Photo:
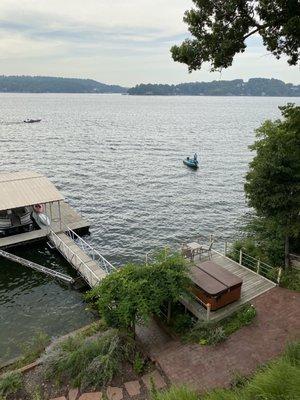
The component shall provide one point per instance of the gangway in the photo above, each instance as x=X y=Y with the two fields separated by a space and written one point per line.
x=37 y=267
x=93 y=267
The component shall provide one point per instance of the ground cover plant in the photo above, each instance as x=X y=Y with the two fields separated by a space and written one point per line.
x=90 y=362
x=210 y=333
x=10 y=383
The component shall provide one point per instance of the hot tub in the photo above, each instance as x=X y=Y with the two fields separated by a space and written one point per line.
x=215 y=285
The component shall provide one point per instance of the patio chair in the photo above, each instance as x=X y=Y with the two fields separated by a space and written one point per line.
x=206 y=249
x=186 y=252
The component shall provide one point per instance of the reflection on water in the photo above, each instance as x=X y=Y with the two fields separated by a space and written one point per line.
x=118 y=160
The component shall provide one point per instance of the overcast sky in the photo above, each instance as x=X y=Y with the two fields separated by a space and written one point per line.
x=113 y=41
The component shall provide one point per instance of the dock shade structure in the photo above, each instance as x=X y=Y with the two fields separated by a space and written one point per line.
x=215 y=285
x=25 y=189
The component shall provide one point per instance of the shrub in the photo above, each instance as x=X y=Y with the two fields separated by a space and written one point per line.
x=240 y=318
x=89 y=362
x=206 y=333
x=291 y=279
x=181 y=323
x=10 y=383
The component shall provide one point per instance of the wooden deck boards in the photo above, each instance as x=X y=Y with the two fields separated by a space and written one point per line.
x=253 y=285
x=69 y=216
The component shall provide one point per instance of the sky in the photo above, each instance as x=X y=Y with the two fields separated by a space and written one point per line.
x=122 y=42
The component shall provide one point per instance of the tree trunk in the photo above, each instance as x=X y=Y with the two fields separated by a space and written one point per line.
x=169 y=312
x=287 y=251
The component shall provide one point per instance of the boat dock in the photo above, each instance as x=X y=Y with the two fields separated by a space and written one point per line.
x=21 y=192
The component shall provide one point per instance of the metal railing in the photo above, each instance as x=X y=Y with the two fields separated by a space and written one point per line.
x=88 y=249
x=252 y=263
x=88 y=275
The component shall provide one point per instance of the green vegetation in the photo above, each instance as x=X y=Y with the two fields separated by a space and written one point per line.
x=210 y=333
x=47 y=84
x=279 y=380
x=89 y=362
x=237 y=87
x=291 y=280
x=220 y=28
x=10 y=383
x=136 y=292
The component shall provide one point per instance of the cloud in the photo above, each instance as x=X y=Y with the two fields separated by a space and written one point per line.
x=117 y=41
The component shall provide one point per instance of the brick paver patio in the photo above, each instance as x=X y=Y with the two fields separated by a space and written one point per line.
x=207 y=367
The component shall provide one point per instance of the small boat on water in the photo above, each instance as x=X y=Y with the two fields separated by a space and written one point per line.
x=31 y=121
x=192 y=162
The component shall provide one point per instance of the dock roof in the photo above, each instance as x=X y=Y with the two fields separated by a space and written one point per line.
x=20 y=189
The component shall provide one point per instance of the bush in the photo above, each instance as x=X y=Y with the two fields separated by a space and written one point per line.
x=181 y=323
x=290 y=279
x=138 y=364
x=89 y=362
x=10 y=383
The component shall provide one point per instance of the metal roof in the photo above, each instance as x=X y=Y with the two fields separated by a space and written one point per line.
x=19 y=189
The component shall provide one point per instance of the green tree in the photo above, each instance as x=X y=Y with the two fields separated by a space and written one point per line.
x=136 y=292
x=220 y=28
x=273 y=182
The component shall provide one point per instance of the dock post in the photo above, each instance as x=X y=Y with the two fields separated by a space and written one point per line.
x=241 y=257
x=279 y=275
x=59 y=213
x=208 y=307
x=225 y=248
x=146 y=258
x=258 y=266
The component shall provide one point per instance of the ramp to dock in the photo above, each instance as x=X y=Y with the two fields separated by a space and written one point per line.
x=88 y=266
x=37 y=267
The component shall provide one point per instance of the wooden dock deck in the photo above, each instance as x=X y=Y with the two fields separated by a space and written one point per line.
x=69 y=216
x=253 y=285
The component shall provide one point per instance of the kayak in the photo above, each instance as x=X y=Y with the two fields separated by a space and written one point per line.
x=41 y=219
x=191 y=163
x=31 y=121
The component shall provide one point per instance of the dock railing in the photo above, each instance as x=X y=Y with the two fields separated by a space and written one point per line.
x=88 y=249
x=252 y=263
x=75 y=259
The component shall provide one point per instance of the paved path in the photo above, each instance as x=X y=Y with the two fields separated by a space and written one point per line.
x=207 y=367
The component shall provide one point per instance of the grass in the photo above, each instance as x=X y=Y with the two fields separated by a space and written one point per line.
x=10 y=383
x=210 y=333
x=89 y=362
x=279 y=380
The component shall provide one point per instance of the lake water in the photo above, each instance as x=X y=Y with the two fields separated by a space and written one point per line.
x=118 y=161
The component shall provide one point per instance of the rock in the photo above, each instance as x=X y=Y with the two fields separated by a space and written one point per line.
x=60 y=398
x=133 y=388
x=114 y=393
x=73 y=393
x=91 y=396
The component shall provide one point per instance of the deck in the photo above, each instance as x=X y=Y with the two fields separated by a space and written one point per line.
x=69 y=216
x=253 y=286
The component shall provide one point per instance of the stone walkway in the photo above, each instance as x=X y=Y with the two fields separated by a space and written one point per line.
x=207 y=367
x=138 y=389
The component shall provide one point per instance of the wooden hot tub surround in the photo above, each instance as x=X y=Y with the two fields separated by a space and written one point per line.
x=215 y=285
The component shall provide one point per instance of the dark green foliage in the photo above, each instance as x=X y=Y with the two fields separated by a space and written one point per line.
x=237 y=87
x=210 y=333
x=273 y=182
x=220 y=28
x=10 y=383
x=136 y=292
x=47 y=84
x=291 y=279
x=138 y=364
x=89 y=362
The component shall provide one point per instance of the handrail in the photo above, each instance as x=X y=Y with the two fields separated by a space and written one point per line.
x=96 y=256
x=51 y=232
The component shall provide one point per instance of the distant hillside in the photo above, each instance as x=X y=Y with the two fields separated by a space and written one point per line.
x=44 y=84
x=237 y=87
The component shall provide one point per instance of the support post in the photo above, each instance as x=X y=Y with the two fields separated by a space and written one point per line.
x=208 y=308
x=279 y=275
x=225 y=248
x=258 y=266
x=241 y=257
x=146 y=258
x=59 y=213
